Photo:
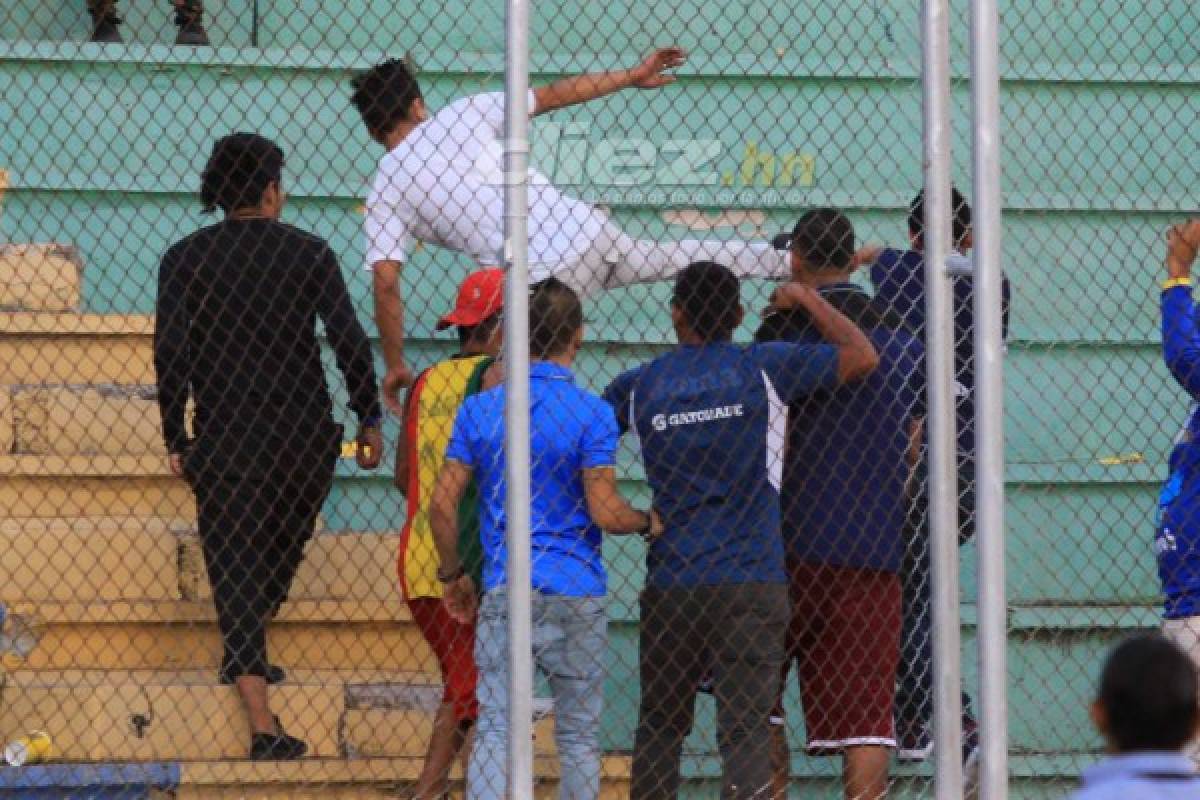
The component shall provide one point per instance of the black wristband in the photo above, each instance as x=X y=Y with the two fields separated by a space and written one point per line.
x=451 y=577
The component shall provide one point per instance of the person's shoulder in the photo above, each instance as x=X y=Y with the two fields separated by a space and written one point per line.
x=784 y=326
x=194 y=240
x=301 y=236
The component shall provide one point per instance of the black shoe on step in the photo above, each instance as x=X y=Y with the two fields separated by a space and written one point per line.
x=192 y=34
x=276 y=747
x=105 y=31
x=275 y=676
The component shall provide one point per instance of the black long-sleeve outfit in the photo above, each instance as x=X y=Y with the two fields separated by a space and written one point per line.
x=236 y=330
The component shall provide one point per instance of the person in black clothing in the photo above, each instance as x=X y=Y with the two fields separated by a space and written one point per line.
x=189 y=18
x=236 y=330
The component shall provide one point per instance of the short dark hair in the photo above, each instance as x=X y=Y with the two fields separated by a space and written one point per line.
x=824 y=238
x=467 y=333
x=1148 y=690
x=384 y=95
x=555 y=317
x=708 y=295
x=238 y=172
x=960 y=217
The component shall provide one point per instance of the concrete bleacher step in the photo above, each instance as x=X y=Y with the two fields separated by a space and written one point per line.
x=92 y=486
x=107 y=419
x=373 y=778
x=180 y=634
x=64 y=348
x=39 y=277
x=87 y=560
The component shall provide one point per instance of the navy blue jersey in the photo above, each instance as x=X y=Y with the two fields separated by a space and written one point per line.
x=712 y=424
x=847 y=462
x=899 y=279
x=1177 y=539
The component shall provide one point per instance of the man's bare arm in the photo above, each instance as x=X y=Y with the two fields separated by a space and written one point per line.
x=582 y=88
x=608 y=508
x=443 y=512
x=389 y=318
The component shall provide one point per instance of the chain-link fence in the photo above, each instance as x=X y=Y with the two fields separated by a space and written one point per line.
x=253 y=521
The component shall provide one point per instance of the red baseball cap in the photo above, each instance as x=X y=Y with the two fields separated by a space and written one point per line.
x=480 y=296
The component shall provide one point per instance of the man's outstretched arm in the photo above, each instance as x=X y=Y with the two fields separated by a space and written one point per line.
x=582 y=88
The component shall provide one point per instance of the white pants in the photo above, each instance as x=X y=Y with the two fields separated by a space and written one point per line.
x=1185 y=632
x=616 y=259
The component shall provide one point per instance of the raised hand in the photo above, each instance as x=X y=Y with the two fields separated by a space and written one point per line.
x=649 y=73
x=1183 y=241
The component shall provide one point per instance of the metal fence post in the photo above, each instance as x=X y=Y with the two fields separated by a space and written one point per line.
x=516 y=414
x=943 y=484
x=989 y=401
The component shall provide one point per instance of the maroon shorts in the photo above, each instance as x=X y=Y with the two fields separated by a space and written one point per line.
x=453 y=644
x=845 y=640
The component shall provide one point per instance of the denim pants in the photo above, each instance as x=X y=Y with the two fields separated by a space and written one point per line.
x=570 y=644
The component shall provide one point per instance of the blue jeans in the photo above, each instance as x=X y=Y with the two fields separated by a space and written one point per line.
x=570 y=643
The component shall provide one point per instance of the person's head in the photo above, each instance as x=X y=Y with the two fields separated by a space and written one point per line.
x=706 y=306
x=555 y=321
x=244 y=173
x=388 y=97
x=1148 y=697
x=821 y=246
x=960 y=221
x=476 y=313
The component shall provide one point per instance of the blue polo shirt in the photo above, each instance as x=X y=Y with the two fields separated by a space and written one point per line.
x=570 y=430
x=712 y=423
x=1141 y=776
x=844 y=500
x=899 y=280
x=1177 y=532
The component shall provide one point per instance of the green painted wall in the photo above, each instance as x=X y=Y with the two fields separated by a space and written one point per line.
x=104 y=146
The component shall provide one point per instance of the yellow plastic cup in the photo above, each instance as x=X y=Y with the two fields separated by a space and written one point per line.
x=32 y=749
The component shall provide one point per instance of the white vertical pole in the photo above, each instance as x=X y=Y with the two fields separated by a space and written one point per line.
x=989 y=400
x=939 y=333
x=516 y=405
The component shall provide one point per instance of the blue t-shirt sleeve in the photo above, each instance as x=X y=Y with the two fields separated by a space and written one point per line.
x=797 y=370
x=462 y=436
x=599 y=445
x=1181 y=341
x=618 y=395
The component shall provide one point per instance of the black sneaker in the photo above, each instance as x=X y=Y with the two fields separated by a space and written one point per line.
x=192 y=34
x=276 y=747
x=914 y=742
x=275 y=676
x=105 y=31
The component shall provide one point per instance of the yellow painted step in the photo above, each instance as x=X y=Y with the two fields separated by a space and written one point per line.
x=155 y=722
x=404 y=732
x=91 y=486
x=344 y=778
x=39 y=277
x=89 y=560
x=110 y=419
x=350 y=566
x=331 y=634
x=49 y=560
x=76 y=349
